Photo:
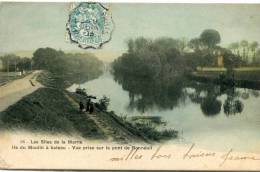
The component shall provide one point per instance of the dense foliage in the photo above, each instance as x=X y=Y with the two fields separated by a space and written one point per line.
x=73 y=68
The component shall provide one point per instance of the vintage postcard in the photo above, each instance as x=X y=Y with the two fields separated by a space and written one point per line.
x=129 y=86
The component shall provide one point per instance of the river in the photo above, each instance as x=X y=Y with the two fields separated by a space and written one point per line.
x=226 y=128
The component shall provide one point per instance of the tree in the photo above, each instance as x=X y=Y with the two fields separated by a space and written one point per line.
x=234 y=47
x=69 y=68
x=130 y=45
x=10 y=62
x=253 y=46
x=210 y=38
x=257 y=58
x=46 y=58
x=231 y=60
x=244 y=45
x=24 y=64
x=182 y=44
x=104 y=103
x=195 y=44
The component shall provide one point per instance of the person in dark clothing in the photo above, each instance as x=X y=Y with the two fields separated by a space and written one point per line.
x=91 y=108
x=88 y=105
x=81 y=106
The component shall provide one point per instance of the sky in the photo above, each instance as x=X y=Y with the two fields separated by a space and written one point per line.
x=28 y=26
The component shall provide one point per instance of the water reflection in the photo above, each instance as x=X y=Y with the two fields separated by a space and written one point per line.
x=148 y=93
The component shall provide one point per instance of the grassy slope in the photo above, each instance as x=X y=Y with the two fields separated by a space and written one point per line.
x=49 y=110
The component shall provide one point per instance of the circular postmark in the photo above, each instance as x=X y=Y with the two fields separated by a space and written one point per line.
x=90 y=25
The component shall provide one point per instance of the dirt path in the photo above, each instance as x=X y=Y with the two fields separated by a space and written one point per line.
x=100 y=126
x=11 y=92
x=112 y=130
x=118 y=132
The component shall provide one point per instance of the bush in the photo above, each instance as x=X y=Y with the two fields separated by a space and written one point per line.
x=103 y=103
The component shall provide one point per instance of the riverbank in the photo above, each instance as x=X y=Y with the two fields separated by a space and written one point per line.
x=240 y=79
x=55 y=110
x=123 y=130
x=49 y=110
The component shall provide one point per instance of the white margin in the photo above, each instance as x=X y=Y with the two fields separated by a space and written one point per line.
x=149 y=1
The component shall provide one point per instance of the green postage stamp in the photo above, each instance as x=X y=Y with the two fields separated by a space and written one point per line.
x=90 y=25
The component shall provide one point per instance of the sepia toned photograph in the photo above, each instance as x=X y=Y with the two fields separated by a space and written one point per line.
x=127 y=86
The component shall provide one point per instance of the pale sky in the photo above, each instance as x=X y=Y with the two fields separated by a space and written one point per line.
x=28 y=26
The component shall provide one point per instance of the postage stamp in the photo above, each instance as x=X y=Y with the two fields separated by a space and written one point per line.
x=90 y=25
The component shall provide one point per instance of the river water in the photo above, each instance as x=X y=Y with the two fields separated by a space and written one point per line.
x=222 y=129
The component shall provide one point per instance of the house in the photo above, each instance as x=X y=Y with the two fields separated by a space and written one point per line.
x=220 y=61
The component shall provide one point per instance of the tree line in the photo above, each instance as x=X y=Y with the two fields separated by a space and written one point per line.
x=153 y=57
x=74 y=68
x=12 y=63
x=249 y=51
